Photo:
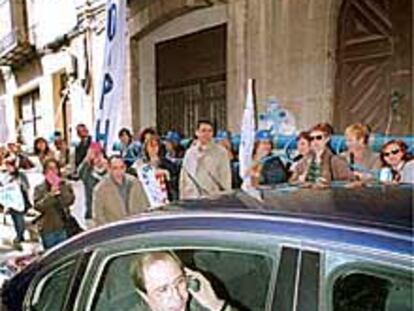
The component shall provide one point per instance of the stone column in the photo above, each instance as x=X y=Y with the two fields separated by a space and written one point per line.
x=134 y=86
x=236 y=62
x=251 y=27
x=7 y=97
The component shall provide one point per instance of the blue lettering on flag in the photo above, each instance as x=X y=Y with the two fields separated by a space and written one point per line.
x=111 y=25
x=102 y=137
x=108 y=85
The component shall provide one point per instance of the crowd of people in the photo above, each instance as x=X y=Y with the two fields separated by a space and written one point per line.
x=151 y=170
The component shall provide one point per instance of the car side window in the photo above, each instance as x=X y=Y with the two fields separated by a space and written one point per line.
x=231 y=274
x=50 y=292
x=372 y=292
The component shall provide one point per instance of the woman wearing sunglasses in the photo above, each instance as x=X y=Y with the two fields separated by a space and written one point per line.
x=321 y=166
x=397 y=161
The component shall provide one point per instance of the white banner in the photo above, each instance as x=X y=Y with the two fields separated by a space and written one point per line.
x=11 y=196
x=112 y=85
x=157 y=196
x=247 y=136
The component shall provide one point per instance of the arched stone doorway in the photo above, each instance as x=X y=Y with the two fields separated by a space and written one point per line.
x=374 y=65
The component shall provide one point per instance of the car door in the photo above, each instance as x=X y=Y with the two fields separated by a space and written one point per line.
x=323 y=276
x=241 y=267
x=56 y=286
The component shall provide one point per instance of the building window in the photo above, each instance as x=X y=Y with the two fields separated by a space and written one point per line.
x=29 y=116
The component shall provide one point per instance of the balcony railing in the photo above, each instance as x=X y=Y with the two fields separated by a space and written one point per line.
x=15 y=44
x=13 y=38
x=15 y=47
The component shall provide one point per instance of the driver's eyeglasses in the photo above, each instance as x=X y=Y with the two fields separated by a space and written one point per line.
x=180 y=282
x=316 y=137
x=394 y=152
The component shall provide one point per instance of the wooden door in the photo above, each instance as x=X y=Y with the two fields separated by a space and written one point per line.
x=191 y=80
x=180 y=106
x=374 y=59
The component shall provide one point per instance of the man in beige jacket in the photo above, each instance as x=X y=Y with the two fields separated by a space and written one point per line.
x=206 y=166
x=118 y=195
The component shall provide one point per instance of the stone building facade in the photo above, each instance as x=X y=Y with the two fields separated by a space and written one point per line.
x=339 y=61
x=311 y=55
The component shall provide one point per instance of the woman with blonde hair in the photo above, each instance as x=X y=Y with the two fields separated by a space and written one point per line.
x=361 y=159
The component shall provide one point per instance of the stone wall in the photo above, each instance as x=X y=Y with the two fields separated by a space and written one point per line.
x=288 y=47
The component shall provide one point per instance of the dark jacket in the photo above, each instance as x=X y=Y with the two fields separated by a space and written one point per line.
x=273 y=171
x=51 y=206
x=90 y=179
x=172 y=184
x=81 y=150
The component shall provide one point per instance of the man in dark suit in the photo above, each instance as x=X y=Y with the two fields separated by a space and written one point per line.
x=83 y=146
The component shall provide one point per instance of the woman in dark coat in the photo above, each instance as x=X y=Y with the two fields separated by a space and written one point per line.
x=167 y=172
x=267 y=168
x=53 y=199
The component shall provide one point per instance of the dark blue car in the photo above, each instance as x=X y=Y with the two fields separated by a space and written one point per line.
x=293 y=249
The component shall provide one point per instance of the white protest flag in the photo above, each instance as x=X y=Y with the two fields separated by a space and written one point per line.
x=247 y=136
x=112 y=83
x=11 y=196
x=156 y=194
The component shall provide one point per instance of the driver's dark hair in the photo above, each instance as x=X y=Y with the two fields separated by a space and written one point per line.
x=138 y=264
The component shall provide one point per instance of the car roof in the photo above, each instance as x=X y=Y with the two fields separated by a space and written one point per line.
x=376 y=216
x=376 y=206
